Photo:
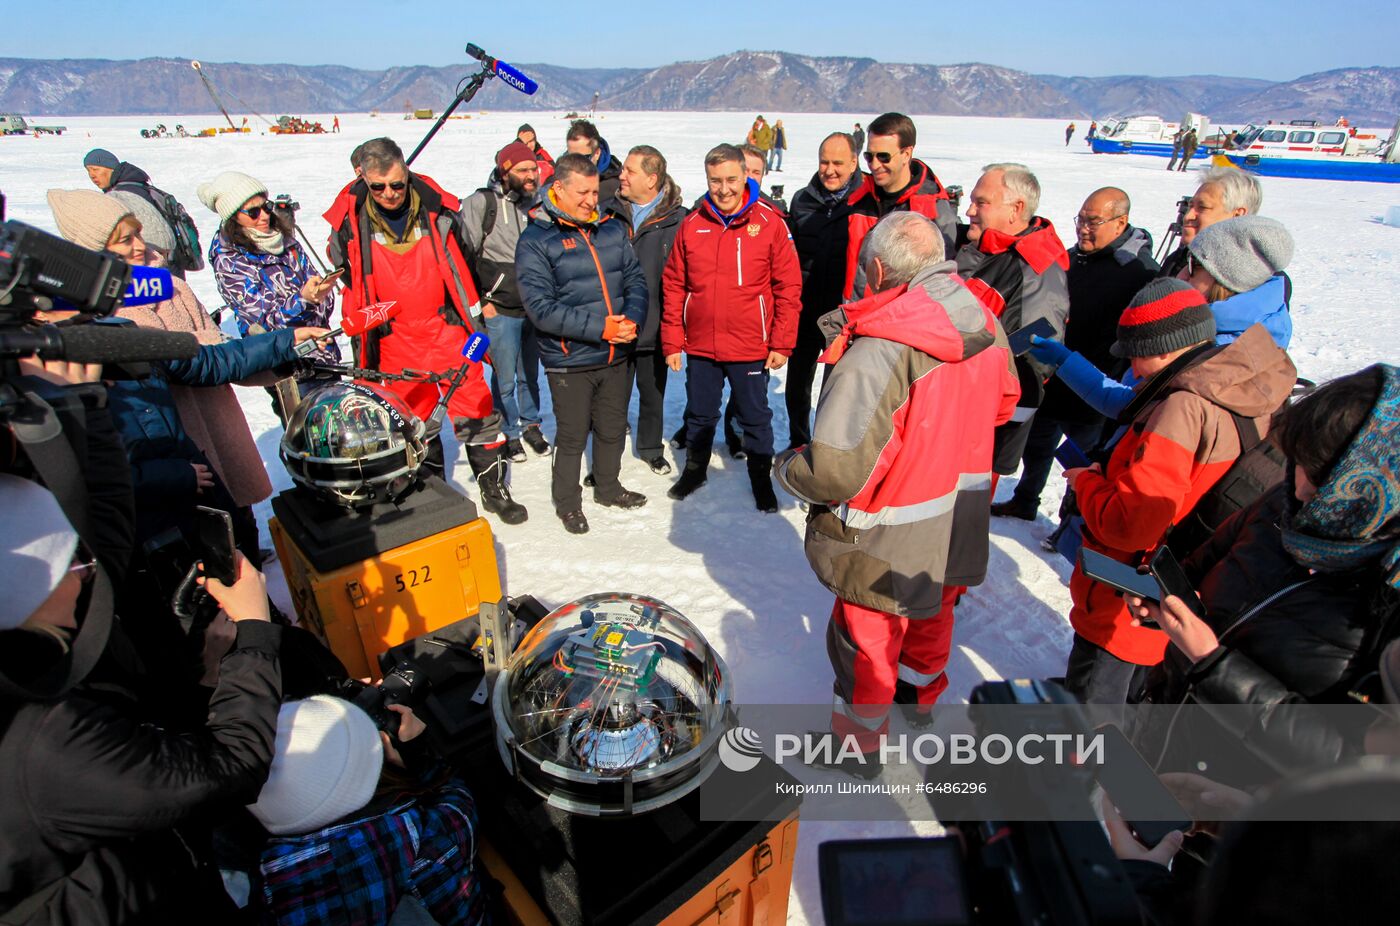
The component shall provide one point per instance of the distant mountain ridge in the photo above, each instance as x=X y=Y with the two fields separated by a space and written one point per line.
x=757 y=81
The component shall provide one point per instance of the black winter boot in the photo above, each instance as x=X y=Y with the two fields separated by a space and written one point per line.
x=695 y=474
x=761 y=481
x=489 y=465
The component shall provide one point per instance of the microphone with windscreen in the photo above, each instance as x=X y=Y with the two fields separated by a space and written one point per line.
x=353 y=323
x=99 y=342
x=505 y=72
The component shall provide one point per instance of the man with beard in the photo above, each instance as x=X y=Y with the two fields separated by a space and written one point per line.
x=819 y=229
x=493 y=218
x=649 y=205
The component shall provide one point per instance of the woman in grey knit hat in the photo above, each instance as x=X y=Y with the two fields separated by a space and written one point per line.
x=1238 y=264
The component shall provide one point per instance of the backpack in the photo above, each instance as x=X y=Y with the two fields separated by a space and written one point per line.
x=188 y=255
x=1260 y=467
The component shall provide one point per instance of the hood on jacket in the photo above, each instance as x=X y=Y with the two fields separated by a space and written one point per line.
x=128 y=173
x=1266 y=304
x=352 y=198
x=1039 y=245
x=752 y=197
x=934 y=313
x=1135 y=243
x=554 y=214
x=923 y=182
x=670 y=194
x=1251 y=376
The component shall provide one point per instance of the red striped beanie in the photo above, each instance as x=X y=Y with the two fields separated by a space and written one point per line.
x=1166 y=315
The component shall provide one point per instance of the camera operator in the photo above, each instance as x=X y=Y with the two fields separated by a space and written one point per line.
x=93 y=792
x=211 y=415
x=261 y=270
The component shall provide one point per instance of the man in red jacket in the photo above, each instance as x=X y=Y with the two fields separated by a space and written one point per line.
x=399 y=237
x=896 y=182
x=732 y=292
x=898 y=472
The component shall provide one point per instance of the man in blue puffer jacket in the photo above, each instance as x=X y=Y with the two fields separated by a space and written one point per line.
x=585 y=292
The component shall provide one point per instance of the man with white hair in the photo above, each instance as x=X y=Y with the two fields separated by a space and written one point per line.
x=1225 y=192
x=898 y=471
x=1014 y=258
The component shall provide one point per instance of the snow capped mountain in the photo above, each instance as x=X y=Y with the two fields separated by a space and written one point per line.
x=756 y=81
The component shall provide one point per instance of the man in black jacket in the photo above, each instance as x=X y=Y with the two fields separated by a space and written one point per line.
x=1110 y=263
x=1014 y=259
x=93 y=790
x=583 y=138
x=649 y=205
x=819 y=229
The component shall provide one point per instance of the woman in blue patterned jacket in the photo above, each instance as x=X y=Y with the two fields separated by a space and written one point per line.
x=261 y=270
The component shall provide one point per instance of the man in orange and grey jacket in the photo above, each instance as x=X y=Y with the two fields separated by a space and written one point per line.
x=1182 y=437
x=898 y=472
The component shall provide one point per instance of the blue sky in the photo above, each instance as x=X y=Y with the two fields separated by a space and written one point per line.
x=1275 y=39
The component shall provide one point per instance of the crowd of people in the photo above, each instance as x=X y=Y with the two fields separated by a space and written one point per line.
x=1172 y=384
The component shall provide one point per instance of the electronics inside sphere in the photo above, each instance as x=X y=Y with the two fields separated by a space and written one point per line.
x=613 y=704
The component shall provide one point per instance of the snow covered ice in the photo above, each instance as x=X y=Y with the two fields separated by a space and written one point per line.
x=740 y=575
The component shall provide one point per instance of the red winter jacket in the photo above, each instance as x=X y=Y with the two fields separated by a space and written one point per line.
x=732 y=287
x=924 y=195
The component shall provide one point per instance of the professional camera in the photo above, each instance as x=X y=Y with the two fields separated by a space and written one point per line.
x=1183 y=205
x=406 y=683
x=776 y=191
x=37 y=268
x=285 y=205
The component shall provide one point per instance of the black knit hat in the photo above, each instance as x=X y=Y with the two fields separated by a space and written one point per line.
x=1164 y=316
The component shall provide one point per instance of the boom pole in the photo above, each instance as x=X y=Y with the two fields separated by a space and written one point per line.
x=199 y=69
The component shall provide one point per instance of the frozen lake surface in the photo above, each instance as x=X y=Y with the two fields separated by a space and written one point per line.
x=739 y=575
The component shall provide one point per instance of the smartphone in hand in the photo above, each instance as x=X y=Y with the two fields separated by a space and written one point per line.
x=1020 y=342
x=1070 y=456
x=1166 y=570
x=214 y=529
x=1118 y=575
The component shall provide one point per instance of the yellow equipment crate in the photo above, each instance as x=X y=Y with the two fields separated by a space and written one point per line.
x=362 y=599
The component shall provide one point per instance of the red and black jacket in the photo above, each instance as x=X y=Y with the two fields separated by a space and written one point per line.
x=925 y=195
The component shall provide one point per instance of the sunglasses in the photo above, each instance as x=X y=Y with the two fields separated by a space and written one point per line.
x=253 y=212
x=884 y=157
x=398 y=186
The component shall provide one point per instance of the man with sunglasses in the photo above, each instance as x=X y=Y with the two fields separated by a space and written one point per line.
x=400 y=238
x=1110 y=262
x=896 y=182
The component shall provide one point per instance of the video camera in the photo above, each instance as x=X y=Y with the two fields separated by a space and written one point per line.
x=38 y=269
x=1183 y=205
x=1047 y=872
x=955 y=194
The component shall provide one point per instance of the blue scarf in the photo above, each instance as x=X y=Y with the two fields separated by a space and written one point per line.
x=1354 y=520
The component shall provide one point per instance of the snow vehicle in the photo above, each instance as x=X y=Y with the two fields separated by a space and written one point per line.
x=15 y=124
x=1305 y=150
x=295 y=125
x=1145 y=134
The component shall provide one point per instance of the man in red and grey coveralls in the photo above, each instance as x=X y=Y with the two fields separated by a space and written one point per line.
x=899 y=471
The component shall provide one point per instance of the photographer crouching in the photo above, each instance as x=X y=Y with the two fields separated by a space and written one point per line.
x=101 y=811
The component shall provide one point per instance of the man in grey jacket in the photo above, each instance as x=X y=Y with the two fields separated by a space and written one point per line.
x=494 y=217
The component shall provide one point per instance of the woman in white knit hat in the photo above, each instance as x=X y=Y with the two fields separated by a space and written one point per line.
x=211 y=415
x=261 y=270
